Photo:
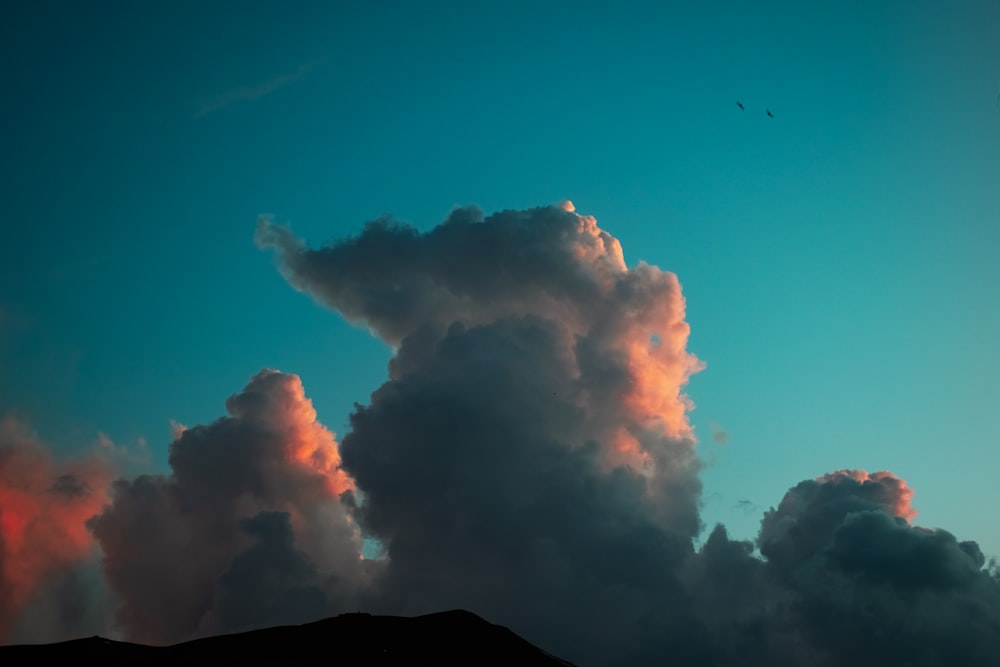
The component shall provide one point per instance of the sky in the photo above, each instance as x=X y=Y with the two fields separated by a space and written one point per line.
x=186 y=191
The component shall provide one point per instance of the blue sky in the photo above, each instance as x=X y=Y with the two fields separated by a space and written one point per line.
x=838 y=260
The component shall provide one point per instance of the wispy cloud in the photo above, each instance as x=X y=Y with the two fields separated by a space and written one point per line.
x=719 y=435
x=253 y=92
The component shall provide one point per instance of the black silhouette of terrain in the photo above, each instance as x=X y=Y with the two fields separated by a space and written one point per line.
x=446 y=638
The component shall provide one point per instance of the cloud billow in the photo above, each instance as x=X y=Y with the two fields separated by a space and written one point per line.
x=254 y=493
x=528 y=457
x=846 y=579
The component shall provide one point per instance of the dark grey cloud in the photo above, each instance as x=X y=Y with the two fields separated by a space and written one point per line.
x=70 y=486
x=846 y=579
x=478 y=476
x=529 y=457
x=270 y=583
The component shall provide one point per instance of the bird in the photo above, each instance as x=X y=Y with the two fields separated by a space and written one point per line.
x=769 y=114
x=740 y=105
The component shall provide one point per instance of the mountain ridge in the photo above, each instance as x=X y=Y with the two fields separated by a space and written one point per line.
x=454 y=637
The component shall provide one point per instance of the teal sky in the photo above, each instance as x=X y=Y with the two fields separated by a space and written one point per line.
x=838 y=259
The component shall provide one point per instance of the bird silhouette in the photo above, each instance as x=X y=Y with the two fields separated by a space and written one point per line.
x=769 y=114
x=740 y=105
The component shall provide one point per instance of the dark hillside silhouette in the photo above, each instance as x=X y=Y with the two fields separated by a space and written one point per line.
x=446 y=638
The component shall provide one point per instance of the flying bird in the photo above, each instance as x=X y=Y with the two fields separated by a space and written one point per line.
x=740 y=105
x=769 y=114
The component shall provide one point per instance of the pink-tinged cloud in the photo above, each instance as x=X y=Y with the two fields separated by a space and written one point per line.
x=250 y=513
x=44 y=506
x=807 y=517
x=889 y=491
x=533 y=430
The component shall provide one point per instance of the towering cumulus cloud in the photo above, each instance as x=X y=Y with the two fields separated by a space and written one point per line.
x=44 y=592
x=530 y=455
x=530 y=458
x=247 y=531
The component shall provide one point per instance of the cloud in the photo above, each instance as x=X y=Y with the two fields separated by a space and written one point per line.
x=44 y=543
x=176 y=546
x=846 y=579
x=253 y=92
x=528 y=457
x=719 y=435
x=804 y=519
x=748 y=506
x=271 y=582
x=126 y=459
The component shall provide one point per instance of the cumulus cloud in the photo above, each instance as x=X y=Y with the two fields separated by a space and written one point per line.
x=803 y=521
x=44 y=543
x=621 y=331
x=846 y=579
x=270 y=583
x=264 y=481
x=529 y=457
